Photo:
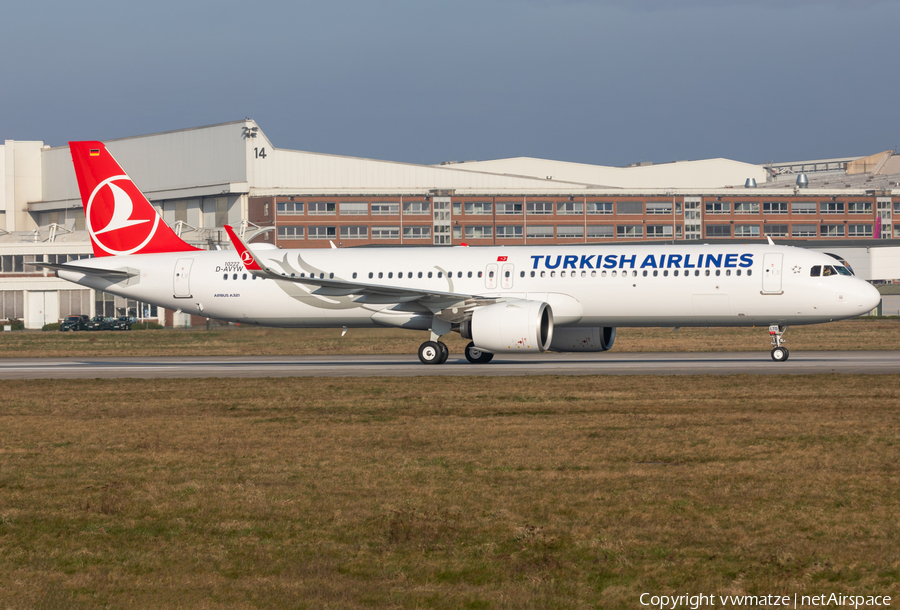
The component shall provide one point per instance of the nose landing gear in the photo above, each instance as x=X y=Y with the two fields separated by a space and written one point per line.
x=779 y=353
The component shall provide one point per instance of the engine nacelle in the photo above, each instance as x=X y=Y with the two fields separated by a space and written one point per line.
x=514 y=326
x=583 y=338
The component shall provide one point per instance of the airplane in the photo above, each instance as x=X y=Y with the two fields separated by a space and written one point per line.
x=505 y=300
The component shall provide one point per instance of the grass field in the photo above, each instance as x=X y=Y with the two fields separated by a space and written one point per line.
x=394 y=493
x=246 y=341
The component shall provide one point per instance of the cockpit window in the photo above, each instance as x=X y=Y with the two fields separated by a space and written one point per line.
x=815 y=270
x=843 y=270
x=828 y=270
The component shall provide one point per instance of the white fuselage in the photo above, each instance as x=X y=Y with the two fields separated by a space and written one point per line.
x=666 y=285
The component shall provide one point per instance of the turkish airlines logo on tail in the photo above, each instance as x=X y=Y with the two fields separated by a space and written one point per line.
x=246 y=257
x=114 y=224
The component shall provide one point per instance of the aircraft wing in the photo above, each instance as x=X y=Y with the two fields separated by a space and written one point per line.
x=108 y=273
x=368 y=293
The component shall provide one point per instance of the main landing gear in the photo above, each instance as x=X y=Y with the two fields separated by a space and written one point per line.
x=433 y=352
x=779 y=353
x=476 y=356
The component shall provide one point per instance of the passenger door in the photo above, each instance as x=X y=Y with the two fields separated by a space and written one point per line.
x=771 y=280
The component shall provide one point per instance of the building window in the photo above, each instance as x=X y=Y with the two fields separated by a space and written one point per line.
x=659 y=231
x=860 y=230
x=570 y=231
x=804 y=230
x=600 y=231
x=508 y=208
x=416 y=208
x=570 y=208
x=354 y=232
x=599 y=207
x=630 y=208
x=290 y=208
x=416 y=232
x=832 y=207
x=322 y=232
x=540 y=231
x=478 y=208
x=627 y=231
x=718 y=207
x=775 y=207
x=860 y=207
x=776 y=230
x=509 y=231
x=659 y=207
x=354 y=208
x=539 y=207
x=803 y=207
x=385 y=232
x=290 y=232
x=322 y=208
x=718 y=230
x=482 y=232
x=746 y=230
x=746 y=207
x=385 y=209
x=832 y=230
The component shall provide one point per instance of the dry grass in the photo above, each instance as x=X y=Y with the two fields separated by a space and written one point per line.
x=400 y=493
x=852 y=334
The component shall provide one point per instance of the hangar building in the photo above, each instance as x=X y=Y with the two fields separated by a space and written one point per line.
x=203 y=178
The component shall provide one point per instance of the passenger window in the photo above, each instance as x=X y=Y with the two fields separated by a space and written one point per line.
x=603 y=273
x=441 y=274
x=665 y=273
x=429 y=275
x=380 y=274
x=584 y=274
x=645 y=273
x=593 y=274
x=675 y=273
x=225 y=277
x=614 y=274
x=303 y=275
x=354 y=275
x=697 y=272
x=718 y=272
x=562 y=274
x=490 y=274
x=390 y=274
x=707 y=272
x=244 y=277
x=470 y=274
x=521 y=274
x=506 y=274
x=459 y=274
x=235 y=276
x=543 y=273
x=370 y=275
x=655 y=273
x=420 y=274
x=728 y=272
x=749 y=271
x=480 y=273
x=738 y=272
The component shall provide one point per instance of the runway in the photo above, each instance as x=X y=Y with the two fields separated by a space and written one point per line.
x=608 y=363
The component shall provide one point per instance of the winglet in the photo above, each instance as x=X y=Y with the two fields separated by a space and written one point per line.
x=246 y=255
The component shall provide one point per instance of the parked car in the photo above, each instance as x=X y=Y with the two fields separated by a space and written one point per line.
x=100 y=323
x=123 y=323
x=74 y=323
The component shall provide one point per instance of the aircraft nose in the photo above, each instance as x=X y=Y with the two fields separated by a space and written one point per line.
x=868 y=296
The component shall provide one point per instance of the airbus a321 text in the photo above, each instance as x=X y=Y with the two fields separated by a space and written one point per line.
x=505 y=300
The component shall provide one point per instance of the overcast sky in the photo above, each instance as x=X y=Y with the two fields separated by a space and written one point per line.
x=606 y=82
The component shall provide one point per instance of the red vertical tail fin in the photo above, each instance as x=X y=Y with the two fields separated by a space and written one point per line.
x=119 y=219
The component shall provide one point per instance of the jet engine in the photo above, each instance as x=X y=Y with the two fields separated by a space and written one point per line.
x=583 y=338
x=513 y=326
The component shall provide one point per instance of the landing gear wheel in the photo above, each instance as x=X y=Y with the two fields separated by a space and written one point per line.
x=476 y=356
x=430 y=353
x=780 y=354
x=445 y=352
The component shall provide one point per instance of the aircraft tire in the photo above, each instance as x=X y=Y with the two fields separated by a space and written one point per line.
x=445 y=352
x=430 y=353
x=780 y=354
x=476 y=356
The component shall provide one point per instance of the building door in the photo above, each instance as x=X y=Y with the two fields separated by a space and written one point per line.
x=43 y=308
x=771 y=281
x=182 y=279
